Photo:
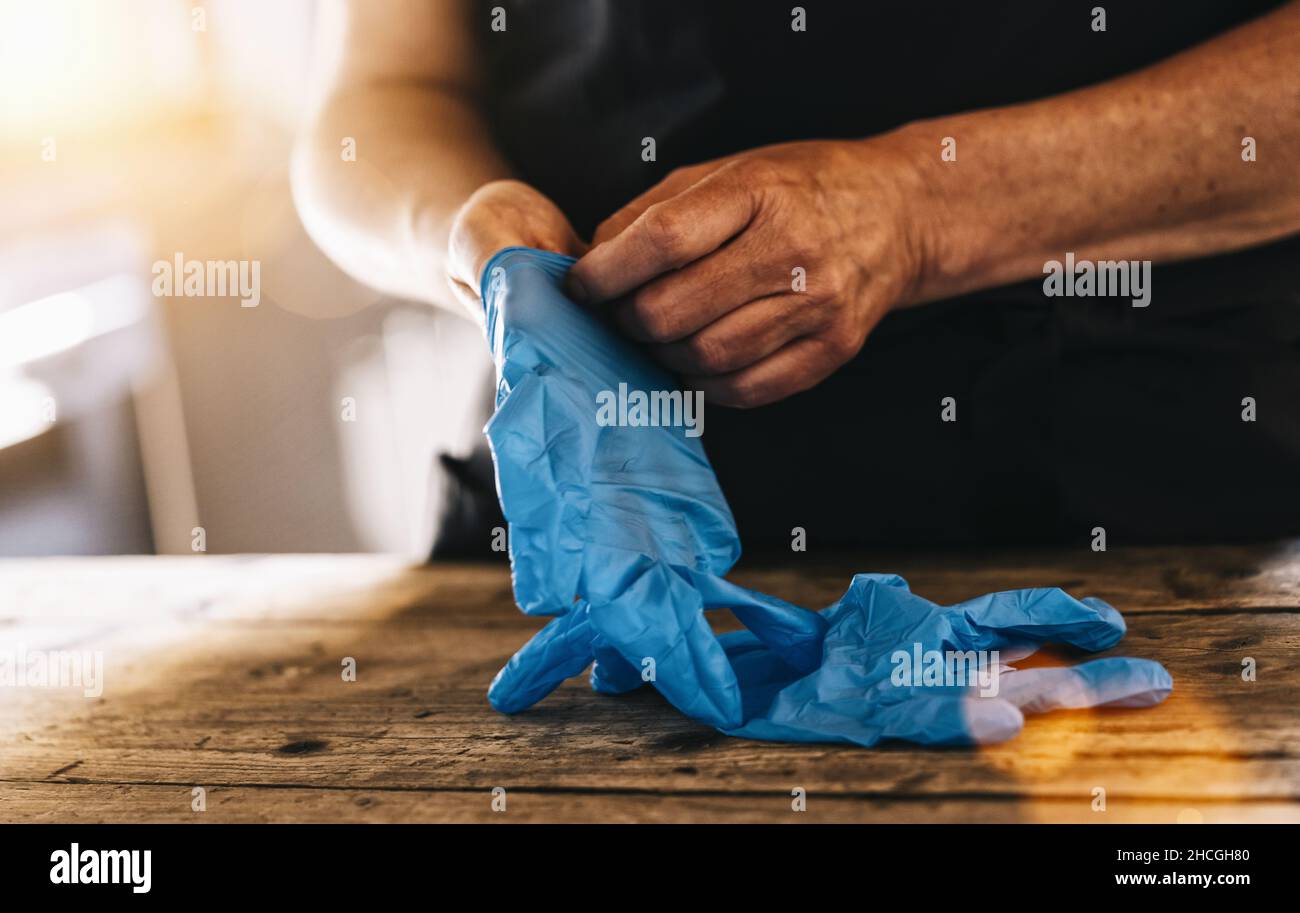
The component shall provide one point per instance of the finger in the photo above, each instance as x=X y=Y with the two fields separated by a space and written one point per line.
x=949 y=720
x=570 y=245
x=795 y=367
x=741 y=338
x=560 y=650
x=667 y=236
x=523 y=434
x=1117 y=681
x=669 y=187
x=657 y=623
x=795 y=714
x=681 y=302
x=1037 y=616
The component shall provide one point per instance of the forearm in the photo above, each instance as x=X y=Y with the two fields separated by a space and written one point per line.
x=384 y=218
x=1145 y=167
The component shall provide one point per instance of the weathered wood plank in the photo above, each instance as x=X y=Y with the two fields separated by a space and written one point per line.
x=46 y=802
x=232 y=683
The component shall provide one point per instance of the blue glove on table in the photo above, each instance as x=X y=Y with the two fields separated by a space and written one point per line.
x=884 y=644
x=621 y=532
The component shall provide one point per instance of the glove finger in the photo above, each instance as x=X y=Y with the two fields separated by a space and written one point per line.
x=938 y=720
x=612 y=674
x=560 y=650
x=949 y=720
x=1043 y=615
x=1117 y=681
x=659 y=617
x=793 y=633
x=524 y=434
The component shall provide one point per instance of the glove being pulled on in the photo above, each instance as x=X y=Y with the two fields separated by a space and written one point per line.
x=619 y=530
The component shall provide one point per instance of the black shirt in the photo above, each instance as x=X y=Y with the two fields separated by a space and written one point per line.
x=1072 y=413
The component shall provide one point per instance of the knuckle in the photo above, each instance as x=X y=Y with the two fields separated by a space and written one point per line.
x=666 y=229
x=832 y=276
x=741 y=394
x=803 y=251
x=610 y=227
x=652 y=316
x=757 y=169
x=708 y=354
x=841 y=345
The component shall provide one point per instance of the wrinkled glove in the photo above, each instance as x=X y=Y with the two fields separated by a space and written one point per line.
x=896 y=666
x=622 y=533
x=619 y=530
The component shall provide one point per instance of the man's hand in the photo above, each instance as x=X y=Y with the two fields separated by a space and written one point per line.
x=502 y=214
x=756 y=276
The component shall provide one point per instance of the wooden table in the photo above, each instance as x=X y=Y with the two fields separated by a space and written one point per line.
x=225 y=674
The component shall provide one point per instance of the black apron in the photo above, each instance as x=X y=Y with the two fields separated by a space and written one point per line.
x=1072 y=413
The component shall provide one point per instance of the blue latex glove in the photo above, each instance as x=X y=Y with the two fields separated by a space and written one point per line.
x=861 y=691
x=620 y=531
x=623 y=534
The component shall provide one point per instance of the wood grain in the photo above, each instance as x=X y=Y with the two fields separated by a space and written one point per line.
x=224 y=673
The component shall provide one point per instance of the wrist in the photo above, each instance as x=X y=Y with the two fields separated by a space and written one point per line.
x=986 y=209
x=428 y=230
x=936 y=217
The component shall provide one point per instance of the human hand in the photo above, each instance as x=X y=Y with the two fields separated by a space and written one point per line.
x=704 y=265
x=502 y=214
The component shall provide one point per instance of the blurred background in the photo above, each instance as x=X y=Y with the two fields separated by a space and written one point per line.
x=134 y=422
